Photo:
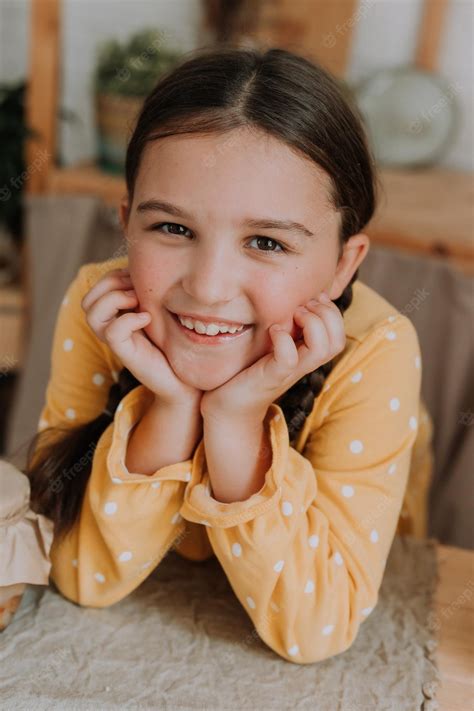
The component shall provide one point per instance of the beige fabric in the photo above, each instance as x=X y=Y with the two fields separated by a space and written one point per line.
x=439 y=300
x=25 y=537
x=64 y=232
x=183 y=641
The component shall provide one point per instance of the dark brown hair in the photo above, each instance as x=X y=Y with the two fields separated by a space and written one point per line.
x=213 y=91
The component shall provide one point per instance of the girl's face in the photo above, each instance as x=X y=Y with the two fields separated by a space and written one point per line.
x=211 y=261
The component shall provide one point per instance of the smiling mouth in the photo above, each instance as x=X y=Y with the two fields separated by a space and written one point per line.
x=204 y=337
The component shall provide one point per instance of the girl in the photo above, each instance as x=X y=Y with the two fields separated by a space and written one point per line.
x=266 y=405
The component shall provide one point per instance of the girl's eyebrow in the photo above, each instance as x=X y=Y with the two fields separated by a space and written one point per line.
x=260 y=223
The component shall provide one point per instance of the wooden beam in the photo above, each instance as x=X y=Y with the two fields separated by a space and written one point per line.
x=430 y=34
x=320 y=29
x=41 y=99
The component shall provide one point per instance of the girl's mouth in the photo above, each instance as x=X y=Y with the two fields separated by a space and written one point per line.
x=220 y=338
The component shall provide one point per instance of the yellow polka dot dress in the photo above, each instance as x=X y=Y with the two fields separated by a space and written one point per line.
x=306 y=554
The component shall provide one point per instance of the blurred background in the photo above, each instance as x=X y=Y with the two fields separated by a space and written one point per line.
x=73 y=75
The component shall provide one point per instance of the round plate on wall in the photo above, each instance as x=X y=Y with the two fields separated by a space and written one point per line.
x=410 y=114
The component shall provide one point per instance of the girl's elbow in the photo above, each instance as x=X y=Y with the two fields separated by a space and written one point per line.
x=313 y=645
x=74 y=594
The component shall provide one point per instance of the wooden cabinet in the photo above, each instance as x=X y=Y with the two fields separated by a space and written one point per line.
x=427 y=211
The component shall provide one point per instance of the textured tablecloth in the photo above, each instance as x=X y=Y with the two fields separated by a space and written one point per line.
x=183 y=641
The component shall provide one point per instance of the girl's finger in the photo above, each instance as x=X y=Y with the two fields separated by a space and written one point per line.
x=118 y=333
x=334 y=323
x=108 y=306
x=285 y=354
x=112 y=280
x=315 y=344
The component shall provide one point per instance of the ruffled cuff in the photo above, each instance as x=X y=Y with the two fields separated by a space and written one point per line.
x=199 y=505
x=129 y=412
x=25 y=536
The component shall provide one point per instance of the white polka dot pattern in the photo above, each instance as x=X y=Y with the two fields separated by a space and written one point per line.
x=43 y=424
x=356 y=446
x=360 y=453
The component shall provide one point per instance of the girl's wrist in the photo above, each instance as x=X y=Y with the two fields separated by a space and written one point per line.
x=189 y=404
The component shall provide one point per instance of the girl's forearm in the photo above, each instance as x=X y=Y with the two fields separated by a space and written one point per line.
x=165 y=435
x=238 y=455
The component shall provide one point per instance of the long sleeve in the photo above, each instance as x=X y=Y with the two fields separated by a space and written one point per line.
x=306 y=554
x=128 y=521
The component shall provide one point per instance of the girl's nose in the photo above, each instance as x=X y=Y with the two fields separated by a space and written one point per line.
x=210 y=278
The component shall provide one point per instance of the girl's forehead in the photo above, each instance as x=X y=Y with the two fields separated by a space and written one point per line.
x=239 y=168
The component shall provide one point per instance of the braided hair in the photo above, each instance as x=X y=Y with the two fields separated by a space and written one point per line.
x=214 y=91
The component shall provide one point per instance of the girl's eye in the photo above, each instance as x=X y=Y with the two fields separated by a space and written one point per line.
x=159 y=228
x=269 y=239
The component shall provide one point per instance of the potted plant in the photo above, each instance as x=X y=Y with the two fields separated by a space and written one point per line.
x=13 y=174
x=125 y=74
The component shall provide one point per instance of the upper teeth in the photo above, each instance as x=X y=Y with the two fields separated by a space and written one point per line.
x=210 y=329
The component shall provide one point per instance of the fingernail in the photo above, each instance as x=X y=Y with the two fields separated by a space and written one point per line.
x=313 y=302
x=142 y=316
x=324 y=297
x=131 y=292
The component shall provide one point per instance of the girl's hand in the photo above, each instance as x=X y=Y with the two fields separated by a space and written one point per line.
x=250 y=393
x=112 y=294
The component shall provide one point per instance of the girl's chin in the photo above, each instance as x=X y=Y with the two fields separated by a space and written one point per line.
x=200 y=380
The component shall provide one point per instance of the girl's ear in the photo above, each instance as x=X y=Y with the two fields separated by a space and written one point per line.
x=124 y=212
x=354 y=252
